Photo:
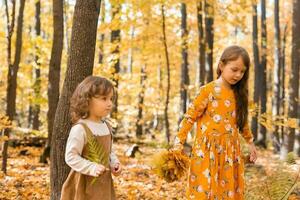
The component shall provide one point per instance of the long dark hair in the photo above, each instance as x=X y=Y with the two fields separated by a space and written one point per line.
x=91 y=86
x=240 y=89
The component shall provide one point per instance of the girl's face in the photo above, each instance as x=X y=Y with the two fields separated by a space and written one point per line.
x=100 y=106
x=233 y=71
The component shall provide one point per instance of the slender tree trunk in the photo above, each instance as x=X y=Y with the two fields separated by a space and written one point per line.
x=115 y=40
x=30 y=114
x=80 y=65
x=157 y=124
x=263 y=73
x=37 y=84
x=289 y=137
x=102 y=20
x=209 y=36
x=66 y=4
x=54 y=71
x=130 y=52
x=11 y=90
x=254 y=123
x=139 y=123
x=184 y=83
x=277 y=76
x=282 y=98
x=168 y=74
x=201 y=40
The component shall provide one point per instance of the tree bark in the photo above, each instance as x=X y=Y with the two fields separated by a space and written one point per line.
x=254 y=122
x=263 y=73
x=184 y=80
x=37 y=83
x=201 y=40
x=11 y=90
x=80 y=65
x=209 y=37
x=277 y=77
x=54 y=71
x=102 y=20
x=289 y=138
x=168 y=74
x=139 y=124
x=115 y=40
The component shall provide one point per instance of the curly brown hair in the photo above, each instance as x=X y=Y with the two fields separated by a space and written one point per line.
x=91 y=86
x=240 y=89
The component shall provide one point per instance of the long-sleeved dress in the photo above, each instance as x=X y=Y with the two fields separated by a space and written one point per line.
x=217 y=165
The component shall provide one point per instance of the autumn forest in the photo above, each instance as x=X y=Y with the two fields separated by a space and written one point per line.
x=157 y=54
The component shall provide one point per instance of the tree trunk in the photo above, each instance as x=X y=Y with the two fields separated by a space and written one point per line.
x=139 y=123
x=282 y=98
x=289 y=138
x=168 y=74
x=277 y=77
x=130 y=52
x=54 y=71
x=209 y=36
x=11 y=89
x=184 y=83
x=263 y=73
x=102 y=20
x=115 y=40
x=37 y=84
x=254 y=122
x=201 y=40
x=80 y=65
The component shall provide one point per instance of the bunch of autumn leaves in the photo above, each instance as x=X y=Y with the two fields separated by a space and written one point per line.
x=171 y=165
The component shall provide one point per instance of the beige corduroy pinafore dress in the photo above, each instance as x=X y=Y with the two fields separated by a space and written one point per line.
x=79 y=186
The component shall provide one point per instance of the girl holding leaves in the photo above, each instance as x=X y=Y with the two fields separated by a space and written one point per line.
x=89 y=146
x=220 y=111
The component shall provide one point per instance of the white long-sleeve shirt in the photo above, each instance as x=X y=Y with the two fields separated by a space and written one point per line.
x=77 y=140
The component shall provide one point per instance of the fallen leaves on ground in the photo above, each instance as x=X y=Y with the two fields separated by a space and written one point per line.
x=28 y=179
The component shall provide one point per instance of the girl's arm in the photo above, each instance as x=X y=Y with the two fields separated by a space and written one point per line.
x=73 y=153
x=247 y=135
x=195 y=110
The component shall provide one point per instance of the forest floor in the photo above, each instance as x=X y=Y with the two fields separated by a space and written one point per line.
x=269 y=178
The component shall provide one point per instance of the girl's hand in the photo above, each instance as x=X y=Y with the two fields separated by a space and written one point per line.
x=116 y=169
x=253 y=152
x=100 y=169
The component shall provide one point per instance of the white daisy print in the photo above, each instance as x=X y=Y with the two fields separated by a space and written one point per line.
x=199 y=188
x=220 y=149
x=217 y=89
x=223 y=183
x=228 y=127
x=226 y=120
x=227 y=103
x=230 y=193
x=229 y=161
x=203 y=128
x=216 y=178
x=217 y=118
x=206 y=173
x=212 y=156
x=200 y=153
x=210 y=97
x=215 y=103
x=193 y=178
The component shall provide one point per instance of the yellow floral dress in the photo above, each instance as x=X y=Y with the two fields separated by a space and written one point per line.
x=217 y=166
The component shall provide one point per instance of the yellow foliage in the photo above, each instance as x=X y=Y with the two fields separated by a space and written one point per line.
x=4 y=122
x=170 y=165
